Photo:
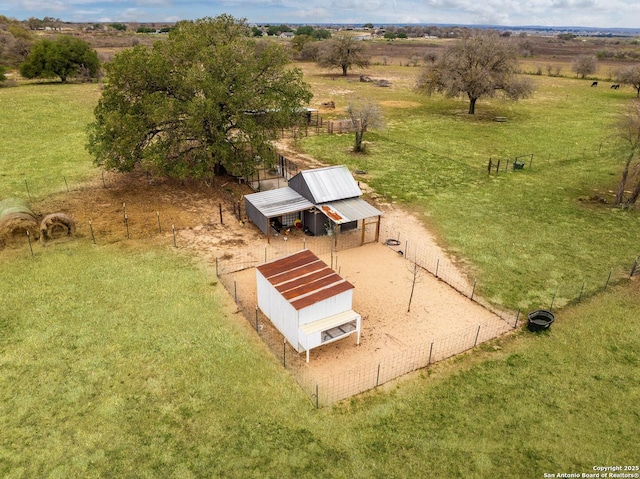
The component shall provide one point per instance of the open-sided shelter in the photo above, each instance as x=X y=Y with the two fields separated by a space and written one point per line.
x=333 y=198
x=307 y=301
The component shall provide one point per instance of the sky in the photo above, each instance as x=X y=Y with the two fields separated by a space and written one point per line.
x=586 y=13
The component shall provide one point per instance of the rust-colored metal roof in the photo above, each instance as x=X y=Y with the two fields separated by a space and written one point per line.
x=304 y=279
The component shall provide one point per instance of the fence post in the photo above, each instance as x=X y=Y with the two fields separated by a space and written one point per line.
x=517 y=317
x=217 y=273
x=553 y=299
x=477 y=334
x=173 y=228
x=257 y=328
x=159 y=227
x=608 y=278
x=581 y=291
x=66 y=184
x=317 y=400
x=378 y=376
x=437 y=266
x=235 y=291
x=635 y=266
x=430 y=351
x=284 y=353
x=126 y=223
x=92 y=235
x=473 y=291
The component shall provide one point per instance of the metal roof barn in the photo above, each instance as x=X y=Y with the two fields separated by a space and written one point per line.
x=322 y=185
x=307 y=301
x=261 y=207
x=351 y=209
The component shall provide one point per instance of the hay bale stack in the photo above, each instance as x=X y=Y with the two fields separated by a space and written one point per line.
x=57 y=226
x=16 y=219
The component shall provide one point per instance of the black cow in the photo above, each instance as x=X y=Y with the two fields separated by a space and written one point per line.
x=595 y=83
x=615 y=86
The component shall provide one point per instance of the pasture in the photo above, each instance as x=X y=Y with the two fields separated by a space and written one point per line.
x=124 y=359
x=527 y=235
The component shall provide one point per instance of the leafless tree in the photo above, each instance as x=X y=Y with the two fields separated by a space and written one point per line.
x=364 y=114
x=629 y=130
x=416 y=275
x=630 y=76
x=478 y=65
x=584 y=65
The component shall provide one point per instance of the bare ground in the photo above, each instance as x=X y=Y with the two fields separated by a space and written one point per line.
x=154 y=209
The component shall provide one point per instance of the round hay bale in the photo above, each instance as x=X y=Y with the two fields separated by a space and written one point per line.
x=57 y=226
x=16 y=219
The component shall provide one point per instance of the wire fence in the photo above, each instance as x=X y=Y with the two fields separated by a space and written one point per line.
x=324 y=390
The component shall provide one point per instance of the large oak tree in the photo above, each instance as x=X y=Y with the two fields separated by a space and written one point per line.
x=479 y=65
x=64 y=57
x=207 y=100
x=344 y=52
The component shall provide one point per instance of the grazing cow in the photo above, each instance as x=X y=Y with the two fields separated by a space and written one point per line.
x=615 y=86
x=595 y=83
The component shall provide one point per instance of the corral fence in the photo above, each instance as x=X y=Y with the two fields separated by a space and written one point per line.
x=326 y=390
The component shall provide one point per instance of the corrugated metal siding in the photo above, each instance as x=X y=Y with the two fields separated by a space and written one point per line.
x=352 y=209
x=256 y=217
x=326 y=184
x=278 y=310
x=277 y=202
x=303 y=279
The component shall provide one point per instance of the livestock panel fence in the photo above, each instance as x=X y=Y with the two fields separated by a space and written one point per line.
x=326 y=390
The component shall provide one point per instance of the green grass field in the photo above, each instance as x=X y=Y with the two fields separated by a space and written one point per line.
x=125 y=361
x=136 y=368
x=42 y=138
x=528 y=235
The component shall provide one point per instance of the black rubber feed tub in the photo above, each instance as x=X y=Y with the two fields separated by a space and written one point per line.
x=540 y=320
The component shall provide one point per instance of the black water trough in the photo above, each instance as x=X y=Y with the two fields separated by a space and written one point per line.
x=540 y=319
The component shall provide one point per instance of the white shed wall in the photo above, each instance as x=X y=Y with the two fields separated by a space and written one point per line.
x=328 y=307
x=278 y=310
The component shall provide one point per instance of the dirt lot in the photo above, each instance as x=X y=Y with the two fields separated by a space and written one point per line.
x=382 y=277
